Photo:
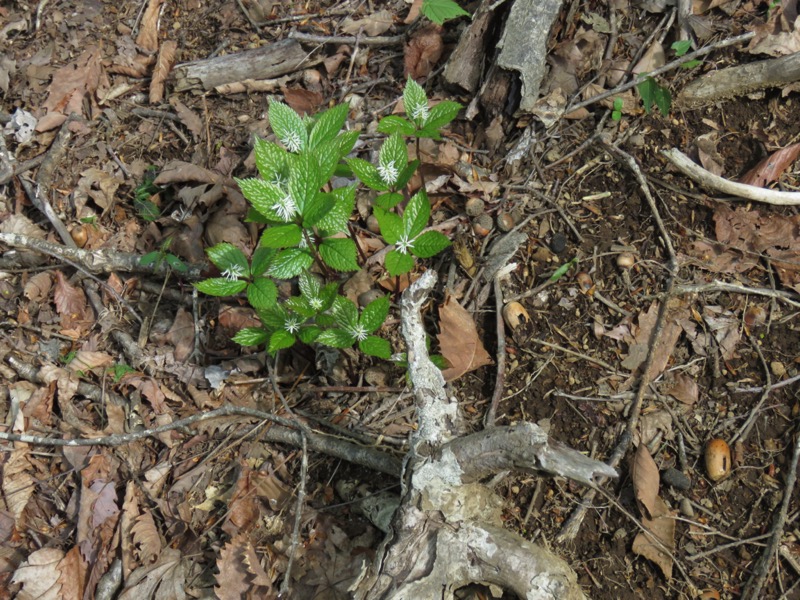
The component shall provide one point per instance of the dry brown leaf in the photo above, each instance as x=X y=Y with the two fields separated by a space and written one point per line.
x=637 y=353
x=166 y=578
x=178 y=171
x=71 y=83
x=423 y=51
x=779 y=36
x=684 y=389
x=644 y=473
x=38 y=287
x=303 y=101
x=18 y=483
x=181 y=335
x=708 y=153
x=164 y=62
x=374 y=24
x=148 y=31
x=39 y=575
x=73 y=575
x=772 y=167
x=146 y=539
x=459 y=341
x=86 y=360
x=100 y=185
x=188 y=117
x=653 y=58
x=663 y=528
x=233 y=579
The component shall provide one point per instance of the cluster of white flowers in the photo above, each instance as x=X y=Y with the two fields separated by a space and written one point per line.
x=359 y=332
x=315 y=303
x=293 y=142
x=292 y=325
x=388 y=172
x=404 y=245
x=420 y=112
x=233 y=272
x=286 y=208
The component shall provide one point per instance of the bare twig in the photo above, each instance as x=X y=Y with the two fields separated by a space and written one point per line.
x=381 y=40
x=790 y=298
x=298 y=517
x=744 y=430
x=500 y=380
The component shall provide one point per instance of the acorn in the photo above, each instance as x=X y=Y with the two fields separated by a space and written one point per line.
x=482 y=225
x=505 y=222
x=718 y=459
x=475 y=207
x=584 y=282
x=80 y=235
x=625 y=260
x=755 y=316
x=514 y=314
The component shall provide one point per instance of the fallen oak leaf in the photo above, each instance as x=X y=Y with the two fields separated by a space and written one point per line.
x=459 y=341
x=772 y=167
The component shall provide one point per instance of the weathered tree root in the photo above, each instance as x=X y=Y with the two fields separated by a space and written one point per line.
x=447 y=531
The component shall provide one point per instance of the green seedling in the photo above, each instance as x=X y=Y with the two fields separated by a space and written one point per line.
x=162 y=255
x=146 y=208
x=616 y=114
x=562 y=270
x=654 y=94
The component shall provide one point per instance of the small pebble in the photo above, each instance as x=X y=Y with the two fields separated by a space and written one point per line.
x=777 y=367
x=676 y=479
x=559 y=243
x=369 y=296
x=687 y=510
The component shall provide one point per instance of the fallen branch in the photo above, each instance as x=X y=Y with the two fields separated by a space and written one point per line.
x=719 y=184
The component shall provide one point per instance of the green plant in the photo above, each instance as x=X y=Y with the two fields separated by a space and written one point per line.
x=162 y=255
x=307 y=225
x=652 y=93
x=616 y=114
x=146 y=208
x=682 y=47
x=440 y=11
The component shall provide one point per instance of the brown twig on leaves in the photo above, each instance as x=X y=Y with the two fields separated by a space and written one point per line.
x=379 y=40
x=571 y=526
x=500 y=359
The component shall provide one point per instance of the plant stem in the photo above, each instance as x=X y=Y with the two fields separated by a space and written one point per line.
x=352 y=234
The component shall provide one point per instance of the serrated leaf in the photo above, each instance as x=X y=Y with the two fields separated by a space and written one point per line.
x=429 y=244
x=309 y=285
x=376 y=346
x=367 y=173
x=260 y=261
x=281 y=236
x=398 y=263
x=440 y=11
x=345 y=312
x=415 y=102
x=390 y=224
x=344 y=202
x=317 y=209
x=262 y=293
x=288 y=126
x=406 y=174
x=327 y=155
x=328 y=295
x=274 y=317
x=280 y=340
x=219 y=286
x=345 y=141
x=147 y=209
x=416 y=215
x=253 y=216
x=374 y=314
x=303 y=180
x=290 y=263
x=328 y=125
x=251 y=336
x=336 y=338
x=396 y=124
x=389 y=200
x=442 y=114
x=300 y=305
x=339 y=253
x=392 y=159
x=270 y=158
x=308 y=334
x=264 y=196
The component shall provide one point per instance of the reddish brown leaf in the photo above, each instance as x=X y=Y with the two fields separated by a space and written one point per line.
x=166 y=58
x=663 y=528
x=772 y=167
x=148 y=33
x=644 y=473
x=423 y=52
x=684 y=389
x=181 y=335
x=459 y=340
x=303 y=101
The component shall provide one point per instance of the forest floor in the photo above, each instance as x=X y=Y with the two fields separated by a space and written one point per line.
x=211 y=506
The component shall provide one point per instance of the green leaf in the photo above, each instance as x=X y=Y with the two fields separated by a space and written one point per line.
x=300 y=305
x=345 y=312
x=367 y=173
x=270 y=159
x=440 y=11
x=317 y=209
x=279 y=340
x=663 y=100
x=652 y=93
x=442 y=114
x=328 y=295
x=398 y=264
x=691 y=64
x=415 y=102
x=176 y=263
x=150 y=258
x=396 y=124
x=389 y=200
x=328 y=125
x=260 y=261
x=147 y=209
x=219 y=286
x=264 y=196
x=339 y=253
x=251 y=336
x=374 y=314
x=416 y=215
x=344 y=202
x=376 y=346
x=393 y=157
x=345 y=142
x=681 y=47
x=391 y=225
x=327 y=155
x=310 y=285
x=274 y=317
x=303 y=180
x=429 y=244
x=281 y=236
x=227 y=257
x=290 y=263
x=288 y=126
x=262 y=293
x=618 y=104
x=562 y=270
x=308 y=334
x=118 y=371
x=406 y=174
x=336 y=338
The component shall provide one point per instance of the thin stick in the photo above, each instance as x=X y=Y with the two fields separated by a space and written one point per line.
x=500 y=380
x=381 y=40
x=744 y=430
x=298 y=517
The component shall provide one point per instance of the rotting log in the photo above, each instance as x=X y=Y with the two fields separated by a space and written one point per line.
x=447 y=531
x=266 y=62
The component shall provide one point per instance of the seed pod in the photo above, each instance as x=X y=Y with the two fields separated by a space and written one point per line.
x=505 y=222
x=79 y=235
x=482 y=225
x=718 y=459
x=625 y=260
x=515 y=315
x=755 y=316
x=475 y=207
x=584 y=282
